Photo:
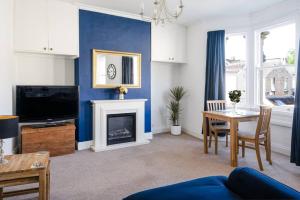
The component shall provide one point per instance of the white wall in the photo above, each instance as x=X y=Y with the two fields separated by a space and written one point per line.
x=49 y=70
x=192 y=78
x=193 y=73
x=35 y=69
x=6 y=63
x=163 y=77
x=21 y=69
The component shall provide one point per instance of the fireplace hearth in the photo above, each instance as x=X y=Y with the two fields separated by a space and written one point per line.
x=121 y=128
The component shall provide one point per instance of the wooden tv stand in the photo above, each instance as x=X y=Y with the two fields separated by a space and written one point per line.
x=58 y=140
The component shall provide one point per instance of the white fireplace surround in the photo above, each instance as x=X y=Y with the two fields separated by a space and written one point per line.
x=102 y=108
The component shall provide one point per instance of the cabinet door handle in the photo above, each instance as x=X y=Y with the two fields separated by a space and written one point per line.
x=51 y=49
x=45 y=48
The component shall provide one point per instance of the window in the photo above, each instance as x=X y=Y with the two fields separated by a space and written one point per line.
x=276 y=71
x=236 y=73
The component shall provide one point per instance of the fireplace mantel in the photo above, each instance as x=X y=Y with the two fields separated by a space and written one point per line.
x=102 y=108
x=118 y=101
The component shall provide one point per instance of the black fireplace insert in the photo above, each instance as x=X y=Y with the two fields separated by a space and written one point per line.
x=121 y=128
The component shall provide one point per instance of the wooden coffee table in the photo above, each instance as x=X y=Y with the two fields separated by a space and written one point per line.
x=25 y=169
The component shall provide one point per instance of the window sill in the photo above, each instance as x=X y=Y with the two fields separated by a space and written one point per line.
x=280 y=116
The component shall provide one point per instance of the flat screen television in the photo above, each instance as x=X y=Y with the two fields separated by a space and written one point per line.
x=47 y=103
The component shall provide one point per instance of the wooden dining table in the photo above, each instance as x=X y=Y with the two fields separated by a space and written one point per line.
x=233 y=117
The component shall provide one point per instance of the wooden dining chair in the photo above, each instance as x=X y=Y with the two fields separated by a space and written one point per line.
x=260 y=137
x=217 y=127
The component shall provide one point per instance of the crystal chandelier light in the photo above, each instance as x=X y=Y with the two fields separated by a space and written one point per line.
x=161 y=13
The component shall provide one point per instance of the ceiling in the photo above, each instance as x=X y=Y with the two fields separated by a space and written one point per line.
x=194 y=9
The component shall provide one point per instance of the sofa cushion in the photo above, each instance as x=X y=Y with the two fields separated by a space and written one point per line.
x=199 y=189
x=251 y=184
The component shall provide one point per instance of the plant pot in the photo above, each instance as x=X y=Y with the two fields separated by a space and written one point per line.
x=175 y=130
x=121 y=96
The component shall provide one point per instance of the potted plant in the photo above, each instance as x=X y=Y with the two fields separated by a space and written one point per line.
x=235 y=97
x=176 y=95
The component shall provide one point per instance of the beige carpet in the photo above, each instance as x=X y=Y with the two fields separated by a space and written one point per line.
x=112 y=175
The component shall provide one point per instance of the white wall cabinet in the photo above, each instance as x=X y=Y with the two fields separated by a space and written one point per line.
x=169 y=43
x=46 y=26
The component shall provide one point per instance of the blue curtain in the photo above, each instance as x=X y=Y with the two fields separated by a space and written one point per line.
x=215 y=66
x=295 y=149
x=127 y=70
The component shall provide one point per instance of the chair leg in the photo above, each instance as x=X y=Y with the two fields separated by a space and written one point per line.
x=226 y=139
x=216 y=143
x=258 y=155
x=269 y=149
x=238 y=147
x=210 y=138
x=48 y=186
x=243 y=149
x=268 y=152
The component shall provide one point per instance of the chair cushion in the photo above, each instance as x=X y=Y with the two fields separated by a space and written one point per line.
x=250 y=184
x=245 y=134
x=209 y=188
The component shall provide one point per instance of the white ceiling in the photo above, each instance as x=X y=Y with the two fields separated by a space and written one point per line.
x=194 y=9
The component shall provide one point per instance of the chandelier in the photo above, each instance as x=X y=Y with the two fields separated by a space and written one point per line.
x=161 y=13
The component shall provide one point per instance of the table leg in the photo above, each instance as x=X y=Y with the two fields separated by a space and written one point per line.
x=1 y=193
x=43 y=184
x=205 y=130
x=233 y=143
x=48 y=182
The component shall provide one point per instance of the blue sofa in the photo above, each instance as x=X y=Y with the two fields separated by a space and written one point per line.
x=242 y=183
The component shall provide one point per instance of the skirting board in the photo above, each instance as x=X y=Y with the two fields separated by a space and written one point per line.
x=277 y=148
x=87 y=144
x=149 y=135
x=160 y=130
x=192 y=133
x=84 y=145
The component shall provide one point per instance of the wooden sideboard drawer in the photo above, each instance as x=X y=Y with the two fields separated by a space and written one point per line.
x=59 y=140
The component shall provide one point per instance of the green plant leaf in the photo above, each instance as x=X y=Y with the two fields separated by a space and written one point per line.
x=177 y=93
x=235 y=96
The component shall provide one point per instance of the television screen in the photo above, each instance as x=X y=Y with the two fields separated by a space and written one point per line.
x=47 y=103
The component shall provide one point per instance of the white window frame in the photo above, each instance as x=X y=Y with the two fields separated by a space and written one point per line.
x=280 y=110
x=245 y=33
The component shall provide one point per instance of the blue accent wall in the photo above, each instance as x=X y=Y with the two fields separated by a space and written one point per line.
x=107 y=32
